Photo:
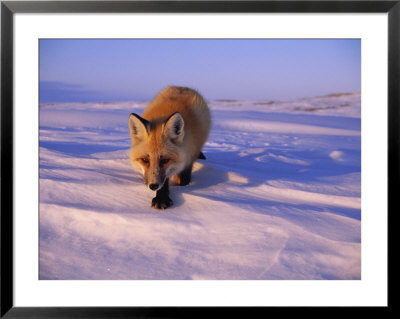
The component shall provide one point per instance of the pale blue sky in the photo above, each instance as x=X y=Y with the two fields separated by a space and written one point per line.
x=255 y=69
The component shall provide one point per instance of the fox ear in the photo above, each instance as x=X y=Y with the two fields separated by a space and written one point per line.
x=137 y=127
x=173 y=127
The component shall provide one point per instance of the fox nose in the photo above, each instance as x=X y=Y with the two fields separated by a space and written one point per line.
x=153 y=187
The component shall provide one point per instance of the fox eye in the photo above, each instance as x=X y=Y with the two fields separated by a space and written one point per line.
x=164 y=161
x=145 y=160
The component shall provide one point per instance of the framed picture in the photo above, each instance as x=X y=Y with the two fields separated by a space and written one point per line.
x=279 y=118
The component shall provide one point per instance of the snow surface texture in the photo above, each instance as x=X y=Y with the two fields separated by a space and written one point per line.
x=278 y=197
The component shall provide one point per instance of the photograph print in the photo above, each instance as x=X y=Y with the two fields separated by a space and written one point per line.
x=199 y=159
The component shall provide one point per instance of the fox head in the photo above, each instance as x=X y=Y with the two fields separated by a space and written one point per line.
x=157 y=147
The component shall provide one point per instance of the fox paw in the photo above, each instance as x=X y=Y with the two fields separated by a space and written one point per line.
x=161 y=202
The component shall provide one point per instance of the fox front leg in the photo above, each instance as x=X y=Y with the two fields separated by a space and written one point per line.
x=162 y=200
x=185 y=176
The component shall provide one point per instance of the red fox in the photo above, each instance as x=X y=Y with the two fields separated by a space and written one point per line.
x=168 y=138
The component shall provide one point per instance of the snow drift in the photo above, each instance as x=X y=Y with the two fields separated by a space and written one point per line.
x=278 y=197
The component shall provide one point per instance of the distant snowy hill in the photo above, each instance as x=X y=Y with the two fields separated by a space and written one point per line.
x=278 y=197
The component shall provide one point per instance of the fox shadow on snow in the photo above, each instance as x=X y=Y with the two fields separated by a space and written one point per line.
x=257 y=169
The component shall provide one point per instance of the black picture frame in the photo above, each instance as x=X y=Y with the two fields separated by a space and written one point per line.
x=9 y=8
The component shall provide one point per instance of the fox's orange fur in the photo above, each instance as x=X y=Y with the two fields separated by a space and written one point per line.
x=168 y=138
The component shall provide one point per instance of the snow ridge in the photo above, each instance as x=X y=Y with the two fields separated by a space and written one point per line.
x=279 y=196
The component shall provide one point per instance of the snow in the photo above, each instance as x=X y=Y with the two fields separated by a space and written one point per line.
x=278 y=197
